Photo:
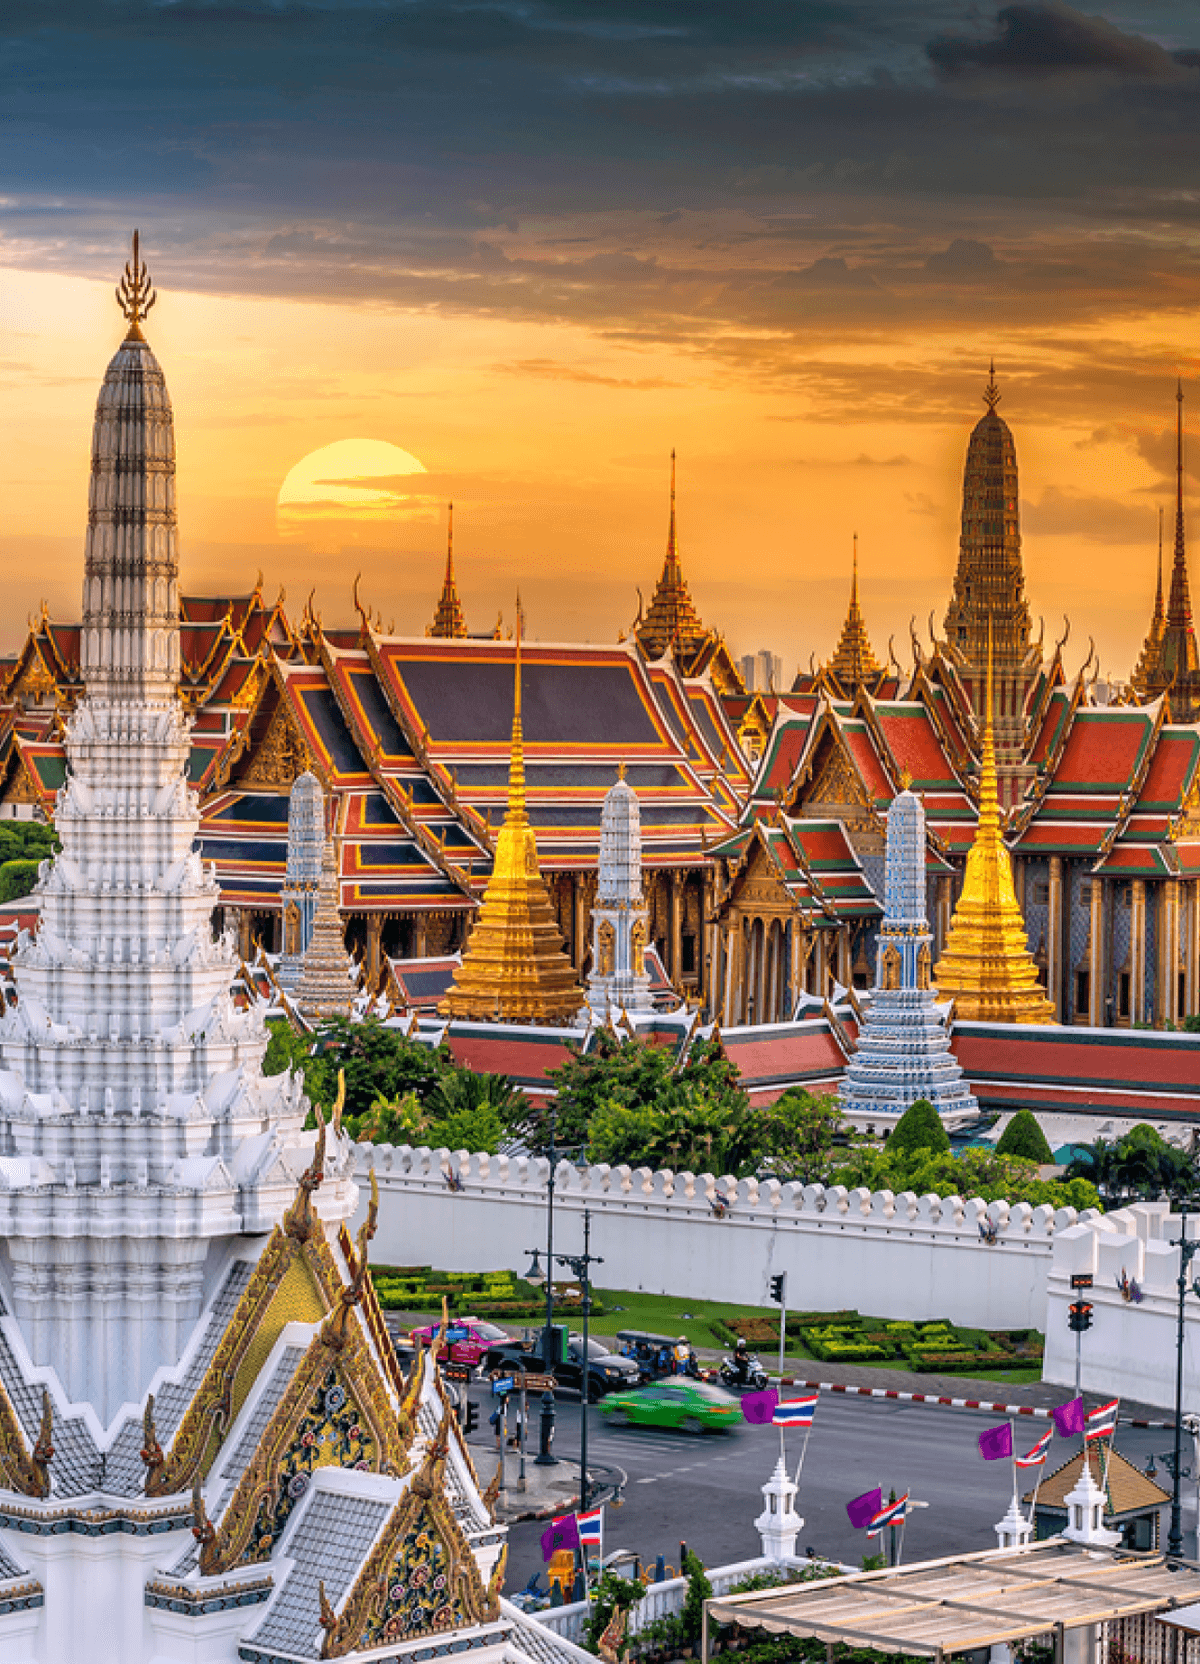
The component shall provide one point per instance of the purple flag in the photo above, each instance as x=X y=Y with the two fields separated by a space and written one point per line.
x=864 y=1508
x=996 y=1442
x=560 y=1533
x=759 y=1407
x=1069 y=1418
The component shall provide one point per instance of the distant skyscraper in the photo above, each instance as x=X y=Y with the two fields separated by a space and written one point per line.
x=762 y=672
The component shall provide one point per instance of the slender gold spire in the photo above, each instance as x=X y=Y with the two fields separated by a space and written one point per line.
x=135 y=293
x=1147 y=674
x=854 y=662
x=514 y=968
x=672 y=620
x=449 y=620
x=986 y=966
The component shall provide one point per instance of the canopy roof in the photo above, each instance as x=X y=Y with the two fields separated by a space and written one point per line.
x=939 y=1607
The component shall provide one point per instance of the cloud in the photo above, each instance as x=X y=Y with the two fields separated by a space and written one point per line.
x=1099 y=519
x=549 y=369
x=1051 y=39
x=964 y=258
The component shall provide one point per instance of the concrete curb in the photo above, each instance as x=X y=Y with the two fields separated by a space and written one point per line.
x=950 y=1403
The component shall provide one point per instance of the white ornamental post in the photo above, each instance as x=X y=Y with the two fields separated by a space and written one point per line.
x=779 y=1524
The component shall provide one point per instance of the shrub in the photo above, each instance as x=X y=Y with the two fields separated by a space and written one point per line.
x=17 y=879
x=920 y=1128
x=1024 y=1137
x=699 y=1590
x=609 y=1592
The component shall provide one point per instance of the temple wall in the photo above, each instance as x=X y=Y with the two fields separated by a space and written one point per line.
x=1129 y=1352
x=722 y=1238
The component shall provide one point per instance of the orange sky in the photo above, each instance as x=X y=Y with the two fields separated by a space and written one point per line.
x=553 y=442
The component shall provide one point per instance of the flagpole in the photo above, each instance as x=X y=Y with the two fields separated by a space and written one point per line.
x=803 y=1454
x=1109 y=1442
x=1012 y=1451
x=903 y=1529
x=1033 y=1505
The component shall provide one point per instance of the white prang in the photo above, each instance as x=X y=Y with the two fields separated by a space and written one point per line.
x=618 y=981
x=138 y=1134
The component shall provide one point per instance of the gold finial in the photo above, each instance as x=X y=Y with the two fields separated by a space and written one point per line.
x=906 y=779
x=991 y=393
x=135 y=293
x=621 y=771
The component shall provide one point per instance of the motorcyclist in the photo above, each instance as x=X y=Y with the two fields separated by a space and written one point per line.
x=741 y=1361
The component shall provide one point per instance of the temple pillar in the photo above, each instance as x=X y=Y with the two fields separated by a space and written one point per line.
x=676 y=967
x=1137 y=951
x=578 y=920
x=708 y=936
x=797 y=966
x=1054 y=936
x=945 y=908
x=420 y=936
x=1167 y=990
x=244 y=941
x=729 y=940
x=374 y=942
x=1096 y=978
x=845 y=974
x=1191 y=951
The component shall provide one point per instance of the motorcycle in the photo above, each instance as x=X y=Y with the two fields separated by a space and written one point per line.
x=753 y=1380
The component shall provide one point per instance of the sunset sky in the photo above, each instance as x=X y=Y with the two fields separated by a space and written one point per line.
x=534 y=244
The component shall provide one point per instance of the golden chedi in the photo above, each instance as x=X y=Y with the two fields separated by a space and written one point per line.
x=986 y=967
x=514 y=967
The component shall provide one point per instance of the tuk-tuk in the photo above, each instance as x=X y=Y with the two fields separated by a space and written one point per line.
x=658 y=1355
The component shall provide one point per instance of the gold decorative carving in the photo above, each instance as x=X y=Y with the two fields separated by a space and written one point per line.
x=151 y=1451
x=283 y=754
x=606 y=940
x=637 y=947
x=18 y=1472
x=422 y=1530
x=334 y=1331
x=299 y=1219
x=924 y=966
x=891 y=968
x=839 y=782
x=291 y=928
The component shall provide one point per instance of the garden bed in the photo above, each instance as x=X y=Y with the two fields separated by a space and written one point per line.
x=499 y=1295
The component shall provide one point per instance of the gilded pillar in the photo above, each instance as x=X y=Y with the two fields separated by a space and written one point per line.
x=420 y=936
x=578 y=920
x=243 y=933
x=1168 y=952
x=677 y=928
x=708 y=937
x=729 y=940
x=1137 y=951
x=945 y=908
x=1191 y=951
x=374 y=943
x=1054 y=936
x=844 y=974
x=1096 y=979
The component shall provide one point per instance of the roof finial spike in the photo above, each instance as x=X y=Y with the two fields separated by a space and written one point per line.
x=135 y=293
x=991 y=393
x=1179 y=607
x=672 y=537
x=450 y=542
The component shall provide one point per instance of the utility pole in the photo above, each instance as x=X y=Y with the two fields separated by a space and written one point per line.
x=1187 y=1250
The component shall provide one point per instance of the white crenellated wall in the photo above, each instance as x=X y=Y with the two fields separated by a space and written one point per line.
x=903 y=1255
x=1129 y=1352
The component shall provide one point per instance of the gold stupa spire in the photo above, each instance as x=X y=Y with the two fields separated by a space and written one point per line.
x=986 y=966
x=514 y=968
x=854 y=662
x=671 y=620
x=135 y=293
x=449 y=619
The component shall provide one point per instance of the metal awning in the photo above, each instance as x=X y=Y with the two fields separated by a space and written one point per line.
x=938 y=1607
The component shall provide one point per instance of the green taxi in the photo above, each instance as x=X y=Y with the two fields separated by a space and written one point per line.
x=695 y=1406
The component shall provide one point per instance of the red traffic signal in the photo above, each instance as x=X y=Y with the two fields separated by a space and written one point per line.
x=1079 y=1317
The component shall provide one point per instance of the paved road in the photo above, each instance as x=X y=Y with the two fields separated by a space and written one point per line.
x=706 y=1489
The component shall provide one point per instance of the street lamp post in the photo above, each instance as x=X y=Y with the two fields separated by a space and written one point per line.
x=1186 y=1252
x=580 y=1265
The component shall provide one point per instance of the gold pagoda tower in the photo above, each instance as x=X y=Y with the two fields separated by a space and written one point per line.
x=672 y=621
x=1170 y=660
x=449 y=619
x=515 y=969
x=854 y=664
x=986 y=967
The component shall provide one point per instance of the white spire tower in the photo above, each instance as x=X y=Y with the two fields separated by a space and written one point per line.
x=618 y=981
x=138 y=1135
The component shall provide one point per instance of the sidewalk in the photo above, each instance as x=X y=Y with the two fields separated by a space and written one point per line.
x=548 y=1491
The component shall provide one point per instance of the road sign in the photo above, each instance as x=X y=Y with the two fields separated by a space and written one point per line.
x=457 y=1332
x=502 y=1384
x=538 y=1383
x=1081 y=1279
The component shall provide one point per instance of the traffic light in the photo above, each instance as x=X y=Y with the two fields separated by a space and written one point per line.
x=1079 y=1317
x=777 y=1283
x=470 y=1416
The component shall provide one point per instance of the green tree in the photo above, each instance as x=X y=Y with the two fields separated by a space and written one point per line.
x=699 y=1590
x=469 y=1111
x=17 y=879
x=1024 y=1137
x=919 y=1128
x=379 y=1062
x=799 y=1136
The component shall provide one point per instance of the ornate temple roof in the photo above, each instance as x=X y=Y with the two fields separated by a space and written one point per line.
x=1170 y=662
x=854 y=664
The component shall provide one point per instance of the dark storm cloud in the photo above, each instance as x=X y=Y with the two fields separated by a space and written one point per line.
x=727 y=179
x=1051 y=39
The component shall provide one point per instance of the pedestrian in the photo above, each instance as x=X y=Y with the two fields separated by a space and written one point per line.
x=497 y=1421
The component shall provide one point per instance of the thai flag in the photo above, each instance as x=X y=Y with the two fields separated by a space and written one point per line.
x=891 y=1514
x=591 y=1528
x=1102 y=1422
x=796 y=1412
x=1037 y=1455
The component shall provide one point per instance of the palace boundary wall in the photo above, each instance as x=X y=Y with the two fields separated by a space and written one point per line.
x=973 y=1262
x=1130 y=1350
